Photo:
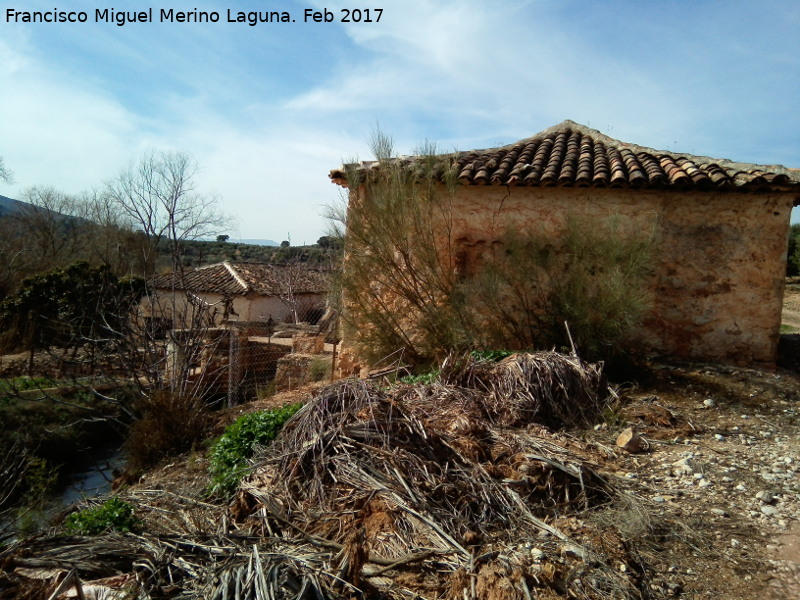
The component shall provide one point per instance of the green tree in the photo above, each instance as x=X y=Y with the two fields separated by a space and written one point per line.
x=793 y=251
x=78 y=306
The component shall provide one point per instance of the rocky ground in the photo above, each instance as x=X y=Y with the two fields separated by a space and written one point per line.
x=721 y=470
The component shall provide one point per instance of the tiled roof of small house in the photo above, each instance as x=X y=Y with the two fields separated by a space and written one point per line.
x=573 y=155
x=239 y=279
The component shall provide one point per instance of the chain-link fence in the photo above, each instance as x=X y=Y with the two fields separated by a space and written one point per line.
x=233 y=361
x=246 y=360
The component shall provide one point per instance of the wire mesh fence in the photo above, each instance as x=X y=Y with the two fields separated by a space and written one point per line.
x=266 y=357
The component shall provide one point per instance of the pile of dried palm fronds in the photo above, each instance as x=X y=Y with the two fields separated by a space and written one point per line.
x=544 y=387
x=431 y=480
x=423 y=491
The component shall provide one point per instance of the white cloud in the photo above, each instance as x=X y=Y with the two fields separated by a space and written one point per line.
x=55 y=132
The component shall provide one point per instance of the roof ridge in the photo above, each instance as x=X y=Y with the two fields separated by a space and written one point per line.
x=606 y=139
x=239 y=279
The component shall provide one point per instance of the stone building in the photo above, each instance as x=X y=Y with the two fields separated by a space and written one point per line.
x=721 y=255
x=240 y=292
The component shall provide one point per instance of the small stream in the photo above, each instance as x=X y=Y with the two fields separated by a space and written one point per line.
x=91 y=479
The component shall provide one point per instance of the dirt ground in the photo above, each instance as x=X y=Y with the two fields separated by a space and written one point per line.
x=726 y=472
x=791 y=307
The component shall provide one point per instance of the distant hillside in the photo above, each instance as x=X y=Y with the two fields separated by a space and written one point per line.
x=9 y=205
x=198 y=253
x=256 y=242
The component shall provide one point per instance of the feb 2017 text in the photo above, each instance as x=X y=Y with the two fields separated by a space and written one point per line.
x=170 y=15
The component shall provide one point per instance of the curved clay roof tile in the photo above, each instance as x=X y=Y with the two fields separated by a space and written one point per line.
x=617 y=167
x=551 y=171
x=602 y=172
x=465 y=175
x=583 y=176
x=569 y=165
x=636 y=174
x=572 y=154
x=699 y=178
x=674 y=173
x=655 y=173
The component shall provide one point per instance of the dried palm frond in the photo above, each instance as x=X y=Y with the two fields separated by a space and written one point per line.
x=543 y=387
x=412 y=474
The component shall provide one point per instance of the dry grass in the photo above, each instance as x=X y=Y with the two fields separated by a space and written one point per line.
x=544 y=387
x=170 y=425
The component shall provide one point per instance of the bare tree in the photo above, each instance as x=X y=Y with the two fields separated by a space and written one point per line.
x=44 y=233
x=158 y=195
x=55 y=225
x=289 y=279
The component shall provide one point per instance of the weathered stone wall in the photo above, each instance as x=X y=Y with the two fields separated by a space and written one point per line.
x=721 y=257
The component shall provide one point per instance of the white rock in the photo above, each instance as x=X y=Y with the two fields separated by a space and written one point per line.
x=768 y=510
x=765 y=496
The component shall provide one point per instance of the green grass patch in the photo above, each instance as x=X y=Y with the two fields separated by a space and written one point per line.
x=229 y=454
x=13 y=385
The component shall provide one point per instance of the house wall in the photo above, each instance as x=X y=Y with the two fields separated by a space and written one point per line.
x=162 y=306
x=247 y=308
x=721 y=257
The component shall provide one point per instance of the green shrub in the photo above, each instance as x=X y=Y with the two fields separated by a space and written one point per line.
x=113 y=515
x=40 y=479
x=491 y=355
x=423 y=378
x=230 y=452
x=320 y=369
x=23 y=383
x=410 y=285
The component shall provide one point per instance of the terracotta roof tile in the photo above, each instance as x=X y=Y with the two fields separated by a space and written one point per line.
x=570 y=154
x=239 y=279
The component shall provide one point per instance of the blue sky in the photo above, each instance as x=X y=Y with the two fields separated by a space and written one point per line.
x=268 y=110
